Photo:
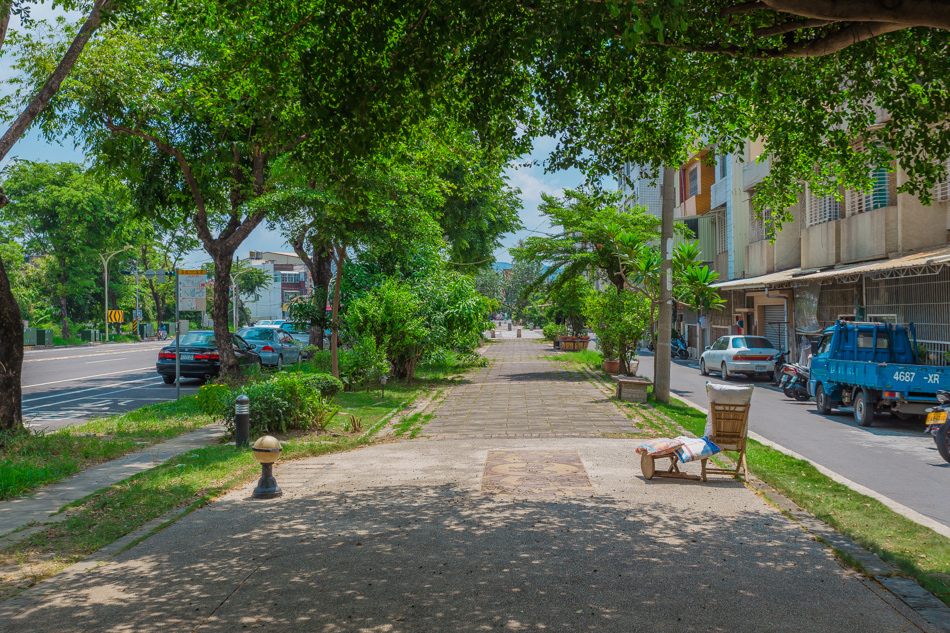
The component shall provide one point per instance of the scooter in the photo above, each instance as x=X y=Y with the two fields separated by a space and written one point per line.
x=794 y=383
x=938 y=424
x=777 y=372
x=678 y=349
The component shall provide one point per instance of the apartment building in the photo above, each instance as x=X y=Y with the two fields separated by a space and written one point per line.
x=878 y=255
x=290 y=280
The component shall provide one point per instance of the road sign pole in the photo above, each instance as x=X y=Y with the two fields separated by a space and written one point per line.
x=177 y=341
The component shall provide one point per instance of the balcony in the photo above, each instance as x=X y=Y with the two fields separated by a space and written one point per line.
x=686 y=209
x=754 y=173
x=718 y=194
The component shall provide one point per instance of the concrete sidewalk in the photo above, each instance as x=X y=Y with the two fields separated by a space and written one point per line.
x=399 y=537
x=475 y=534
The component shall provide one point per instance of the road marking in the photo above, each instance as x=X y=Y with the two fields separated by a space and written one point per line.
x=137 y=351
x=108 y=360
x=111 y=373
x=99 y=395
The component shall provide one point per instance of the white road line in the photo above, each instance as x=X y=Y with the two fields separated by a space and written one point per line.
x=107 y=360
x=110 y=353
x=98 y=395
x=111 y=373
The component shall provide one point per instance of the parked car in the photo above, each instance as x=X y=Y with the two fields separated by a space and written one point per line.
x=274 y=344
x=742 y=354
x=301 y=334
x=199 y=356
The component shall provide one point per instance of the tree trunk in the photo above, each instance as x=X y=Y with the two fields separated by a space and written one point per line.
x=64 y=316
x=661 y=358
x=159 y=301
x=222 y=257
x=11 y=356
x=320 y=266
x=335 y=316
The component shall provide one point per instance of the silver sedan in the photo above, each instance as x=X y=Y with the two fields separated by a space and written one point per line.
x=741 y=354
x=275 y=346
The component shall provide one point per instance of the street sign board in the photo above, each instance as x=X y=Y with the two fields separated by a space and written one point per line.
x=116 y=316
x=138 y=315
x=150 y=274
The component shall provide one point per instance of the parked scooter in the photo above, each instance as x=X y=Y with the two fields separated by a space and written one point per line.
x=794 y=383
x=938 y=424
x=779 y=366
x=678 y=349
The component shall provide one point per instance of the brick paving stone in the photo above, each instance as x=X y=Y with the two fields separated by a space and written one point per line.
x=524 y=392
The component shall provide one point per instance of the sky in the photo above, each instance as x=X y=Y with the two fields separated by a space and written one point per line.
x=531 y=180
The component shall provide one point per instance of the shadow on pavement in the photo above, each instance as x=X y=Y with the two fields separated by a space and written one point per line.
x=441 y=558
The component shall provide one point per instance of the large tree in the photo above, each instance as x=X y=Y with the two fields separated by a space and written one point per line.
x=71 y=216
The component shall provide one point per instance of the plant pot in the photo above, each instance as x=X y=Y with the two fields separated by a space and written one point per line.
x=612 y=366
x=632 y=367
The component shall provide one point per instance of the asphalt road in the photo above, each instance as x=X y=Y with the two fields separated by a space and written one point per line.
x=67 y=386
x=892 y=458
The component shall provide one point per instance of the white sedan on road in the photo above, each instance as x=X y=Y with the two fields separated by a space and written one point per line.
x=741 y=354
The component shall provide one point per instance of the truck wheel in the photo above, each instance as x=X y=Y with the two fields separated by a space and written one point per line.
x=863 y=409
x=942 y=438
x=822 y=402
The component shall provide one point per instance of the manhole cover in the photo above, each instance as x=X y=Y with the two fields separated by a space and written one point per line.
x=536 y=474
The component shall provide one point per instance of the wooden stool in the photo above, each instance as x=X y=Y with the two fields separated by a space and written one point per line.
x=648 y=467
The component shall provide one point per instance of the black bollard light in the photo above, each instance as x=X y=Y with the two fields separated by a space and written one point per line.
x=266 y=451
x=242 y=421
x=382 y=381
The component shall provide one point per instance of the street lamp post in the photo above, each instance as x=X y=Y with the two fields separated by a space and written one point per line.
x=105 y=273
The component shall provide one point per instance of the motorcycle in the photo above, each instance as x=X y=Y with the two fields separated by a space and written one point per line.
x=794 y=383
x=939 y=426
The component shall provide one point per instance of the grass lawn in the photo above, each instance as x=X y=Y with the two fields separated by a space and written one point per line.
x=30 y=461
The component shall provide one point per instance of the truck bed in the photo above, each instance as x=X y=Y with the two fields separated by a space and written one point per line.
x=922 y=379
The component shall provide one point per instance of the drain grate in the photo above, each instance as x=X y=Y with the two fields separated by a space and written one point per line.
x=536 y=474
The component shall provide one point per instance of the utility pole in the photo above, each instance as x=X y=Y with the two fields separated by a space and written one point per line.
x=177 y=338
x=237 y=293
x=661 y=358
x=105 y=273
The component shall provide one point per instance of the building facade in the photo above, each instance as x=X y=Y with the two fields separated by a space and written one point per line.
x=289 y=280
x=878 y=255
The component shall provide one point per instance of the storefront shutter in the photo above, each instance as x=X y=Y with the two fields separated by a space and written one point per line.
x=776 y=326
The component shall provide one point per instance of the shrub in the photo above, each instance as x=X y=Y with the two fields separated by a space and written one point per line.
x=288 y=400
x=553 y=331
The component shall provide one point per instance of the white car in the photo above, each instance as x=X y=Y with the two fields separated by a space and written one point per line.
x=741 y=354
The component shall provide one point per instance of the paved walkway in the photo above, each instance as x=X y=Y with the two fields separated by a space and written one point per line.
x=525 y=393
x=19 y=512
x=477 y=534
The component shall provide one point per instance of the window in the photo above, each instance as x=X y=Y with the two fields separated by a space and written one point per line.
x=721 y=165
x=761 y=228
x=752 y=342
x=259 y=334
x=824 y=345
x=197 y=339
x=722 y=234
x=290 y=278
x=820 y=209
x=721 y=343
x=694 y=181
x=866 y=340
x=881 y=194
x=942 y=189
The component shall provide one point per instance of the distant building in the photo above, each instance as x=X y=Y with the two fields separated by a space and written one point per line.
x=290 y=279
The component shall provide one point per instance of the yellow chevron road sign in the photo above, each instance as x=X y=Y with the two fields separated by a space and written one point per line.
x=116 y=316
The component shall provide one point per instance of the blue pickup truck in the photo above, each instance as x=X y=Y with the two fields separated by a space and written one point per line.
x=873 y=367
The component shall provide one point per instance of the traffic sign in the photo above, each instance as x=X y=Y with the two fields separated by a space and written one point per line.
x=116 y=316
x=138 y=315
x=150 y=274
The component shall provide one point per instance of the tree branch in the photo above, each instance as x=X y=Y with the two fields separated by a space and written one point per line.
x=906 y=13
x=745 y=7
x=50 y=88
x=789 y=27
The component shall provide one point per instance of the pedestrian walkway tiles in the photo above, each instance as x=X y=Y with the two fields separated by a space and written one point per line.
x=524 y=391
x=536 y=474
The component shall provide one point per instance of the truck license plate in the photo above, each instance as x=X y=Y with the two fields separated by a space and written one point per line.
x=937 y=417
x=760 y=367
x=188 y=357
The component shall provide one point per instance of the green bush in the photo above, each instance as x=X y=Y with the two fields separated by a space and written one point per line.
x=287 y=400
x=553 y=331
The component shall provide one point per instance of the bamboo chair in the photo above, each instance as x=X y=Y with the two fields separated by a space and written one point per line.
x=730 y=428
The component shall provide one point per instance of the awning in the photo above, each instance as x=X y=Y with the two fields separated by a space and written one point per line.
x=924 y=262
x=760 y=281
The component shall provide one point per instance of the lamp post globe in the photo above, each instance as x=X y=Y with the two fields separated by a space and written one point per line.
x=267 y=450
